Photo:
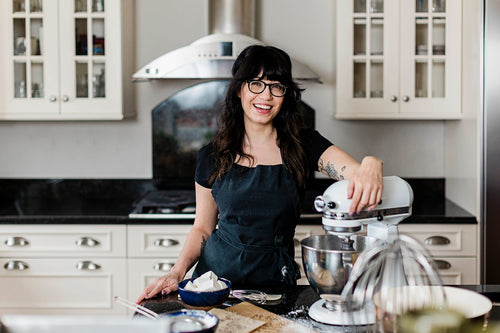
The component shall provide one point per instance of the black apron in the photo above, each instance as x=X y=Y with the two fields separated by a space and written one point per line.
x=258 y=211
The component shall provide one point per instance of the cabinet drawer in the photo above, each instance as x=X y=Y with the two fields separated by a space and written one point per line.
x=156 y=241
x=444 y=239
x=141 y=272
x=62 y=240
x=457 y=270
x=61 y=286
x=304 y=231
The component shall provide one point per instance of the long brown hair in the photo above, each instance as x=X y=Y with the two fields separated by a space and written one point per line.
x=227 y=144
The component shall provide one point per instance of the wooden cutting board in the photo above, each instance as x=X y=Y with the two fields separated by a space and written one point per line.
x=273 y=322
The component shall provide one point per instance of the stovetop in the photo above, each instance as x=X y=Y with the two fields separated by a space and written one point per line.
x=166 y=204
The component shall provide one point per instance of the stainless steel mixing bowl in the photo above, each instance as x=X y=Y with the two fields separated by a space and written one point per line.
x=327 y=262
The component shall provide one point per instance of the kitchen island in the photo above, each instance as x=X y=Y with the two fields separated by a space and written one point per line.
x=295 y=303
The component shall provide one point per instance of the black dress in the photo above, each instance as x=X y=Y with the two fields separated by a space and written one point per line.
x=259 y=208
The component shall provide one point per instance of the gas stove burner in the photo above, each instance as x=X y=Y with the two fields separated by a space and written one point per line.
x=166 y=204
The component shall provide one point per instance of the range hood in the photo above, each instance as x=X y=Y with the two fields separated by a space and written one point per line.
x=231 y=27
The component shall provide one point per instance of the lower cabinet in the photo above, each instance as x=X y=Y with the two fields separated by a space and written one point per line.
x=453 y=247
x=62 y=269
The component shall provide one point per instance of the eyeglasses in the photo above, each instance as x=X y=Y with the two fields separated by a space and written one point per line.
x=257 y=87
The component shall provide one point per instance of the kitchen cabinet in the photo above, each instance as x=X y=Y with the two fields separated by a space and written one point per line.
x=62 y=269
x=453 y=247
x=66 y=59
x=152 y=252
x=399 y=59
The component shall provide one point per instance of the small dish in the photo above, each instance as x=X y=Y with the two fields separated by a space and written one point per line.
x=188 y=321
x=203 y=298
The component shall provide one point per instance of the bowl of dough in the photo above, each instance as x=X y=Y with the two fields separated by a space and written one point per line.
x=206 y=290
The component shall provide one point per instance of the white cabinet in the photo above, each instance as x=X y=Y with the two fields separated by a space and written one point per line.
x=453 y=246
x=399 y=59
x=62 y=269
x=66 y=59
x=152 y=252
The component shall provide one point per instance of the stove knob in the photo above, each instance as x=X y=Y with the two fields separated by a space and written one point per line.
x=331 y=205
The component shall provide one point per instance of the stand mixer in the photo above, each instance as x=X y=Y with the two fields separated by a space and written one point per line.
x=329 y=259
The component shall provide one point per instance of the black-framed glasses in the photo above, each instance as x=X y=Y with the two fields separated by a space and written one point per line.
x=257 y=87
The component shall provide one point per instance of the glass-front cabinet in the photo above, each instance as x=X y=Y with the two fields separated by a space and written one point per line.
x=398 y=59
x=65 y=59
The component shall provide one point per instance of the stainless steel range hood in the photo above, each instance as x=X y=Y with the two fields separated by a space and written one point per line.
x=231 y=27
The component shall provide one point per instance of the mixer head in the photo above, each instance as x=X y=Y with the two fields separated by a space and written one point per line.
x=395 y=206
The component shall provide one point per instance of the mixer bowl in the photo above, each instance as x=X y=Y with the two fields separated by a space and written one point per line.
x=327 y=262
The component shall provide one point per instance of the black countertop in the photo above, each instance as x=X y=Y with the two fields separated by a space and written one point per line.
x=95 y=201
x=295 y=302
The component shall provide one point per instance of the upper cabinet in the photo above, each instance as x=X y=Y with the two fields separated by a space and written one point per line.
x=399 y=59
x=66 y=59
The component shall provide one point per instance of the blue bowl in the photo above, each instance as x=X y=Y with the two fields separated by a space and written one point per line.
x=203 y=298
x=197 y=321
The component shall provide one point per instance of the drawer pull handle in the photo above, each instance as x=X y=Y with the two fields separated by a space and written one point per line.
x=16 y=241
x=437 y=240
x=87 y=242
x=16 y=265
x=443 y=264
x=163 y=267
x=87 y=266
x=166 y=242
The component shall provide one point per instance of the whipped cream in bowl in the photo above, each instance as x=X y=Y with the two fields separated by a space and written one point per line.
x=204 y=291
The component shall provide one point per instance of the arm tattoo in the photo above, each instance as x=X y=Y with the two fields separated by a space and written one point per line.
x=330 y=170
x=203 y=242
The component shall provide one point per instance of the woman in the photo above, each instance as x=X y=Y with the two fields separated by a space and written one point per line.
x=250 y=177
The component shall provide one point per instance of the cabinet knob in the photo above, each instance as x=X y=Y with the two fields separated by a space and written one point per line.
x=87 y=266
x=163 y=266
x=16 y=265
x=394 y=98
x=16 y=241
x=442 y=264
x=52 y=98
x=437 y=240
x=166 y=242
x=406 y=98
x=65 y=98
x=87 y=242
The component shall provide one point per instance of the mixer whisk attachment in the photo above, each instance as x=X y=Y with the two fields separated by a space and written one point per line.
x=392 y=279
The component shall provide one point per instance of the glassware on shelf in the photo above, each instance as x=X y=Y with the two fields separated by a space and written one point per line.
x=377 y=79
x=80 y=6
x=421 y=6
x=377 y=36
x=359 y=36
x=99 y=81
x=19 y=25
x=18 y=6
x=36 y=79
x=360 y=6
x=36 y=6
x=421 y=79
x=359 y=82
x=439 y=6
x=377 y=6
x=98 y=6
x=82 y=84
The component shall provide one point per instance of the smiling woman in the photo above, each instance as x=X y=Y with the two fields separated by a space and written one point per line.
x=250 y=178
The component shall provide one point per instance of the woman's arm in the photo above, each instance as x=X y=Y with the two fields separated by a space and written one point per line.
x=365 y=178
x=204 y=223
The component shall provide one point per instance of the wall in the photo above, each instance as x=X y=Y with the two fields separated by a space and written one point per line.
x=122 y=149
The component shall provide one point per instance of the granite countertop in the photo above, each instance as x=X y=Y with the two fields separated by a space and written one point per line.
x=295 y=302
x=110 y=201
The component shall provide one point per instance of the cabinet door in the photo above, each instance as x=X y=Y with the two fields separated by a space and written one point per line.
x=156 y=240
x=431 y=58
x=29 y=59
x=367 y=58
x=61 y=286
x=90 y=46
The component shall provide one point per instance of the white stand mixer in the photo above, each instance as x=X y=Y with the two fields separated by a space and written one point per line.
x=319 y=255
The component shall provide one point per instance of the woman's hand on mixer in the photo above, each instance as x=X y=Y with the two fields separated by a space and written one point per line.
x=365 y=186
x=164 y=285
